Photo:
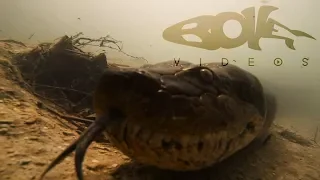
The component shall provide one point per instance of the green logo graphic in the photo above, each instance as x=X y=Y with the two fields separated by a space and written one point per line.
x=210 y=30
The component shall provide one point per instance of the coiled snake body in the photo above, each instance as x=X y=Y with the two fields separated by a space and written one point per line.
x=184 y=117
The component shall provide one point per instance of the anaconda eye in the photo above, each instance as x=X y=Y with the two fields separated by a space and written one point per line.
x=206 y=75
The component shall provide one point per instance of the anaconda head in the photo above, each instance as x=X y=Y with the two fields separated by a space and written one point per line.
x=180 y=118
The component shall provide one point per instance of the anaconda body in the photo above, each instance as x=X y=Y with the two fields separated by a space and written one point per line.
x=184 y=117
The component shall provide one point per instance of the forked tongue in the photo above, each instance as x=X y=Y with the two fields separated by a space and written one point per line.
x=83 y=142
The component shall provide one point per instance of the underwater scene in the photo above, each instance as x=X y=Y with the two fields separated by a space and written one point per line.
x=155 y=90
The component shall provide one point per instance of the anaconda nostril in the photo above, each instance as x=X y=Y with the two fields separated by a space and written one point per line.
x=250 y=127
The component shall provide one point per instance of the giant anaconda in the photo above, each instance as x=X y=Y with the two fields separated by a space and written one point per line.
x=184 y=117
